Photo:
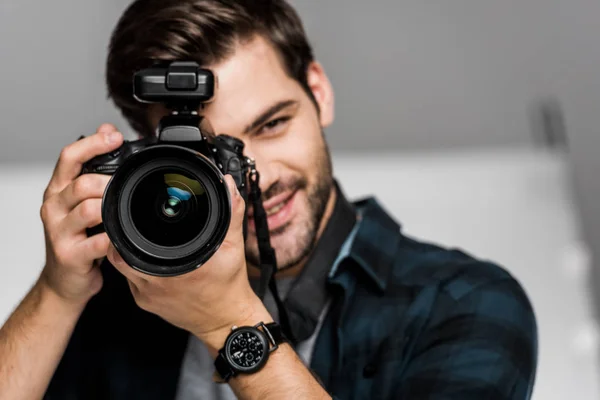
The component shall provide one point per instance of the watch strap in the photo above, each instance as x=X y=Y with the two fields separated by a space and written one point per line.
x=276 y=332
x=224 y=370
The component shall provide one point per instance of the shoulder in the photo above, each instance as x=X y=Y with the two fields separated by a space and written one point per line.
x=405 y=267
x=473 y=306
x=449 y=283
x=452 y=270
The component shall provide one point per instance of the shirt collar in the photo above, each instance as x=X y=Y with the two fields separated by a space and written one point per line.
x=308 y=294
x=372 y=244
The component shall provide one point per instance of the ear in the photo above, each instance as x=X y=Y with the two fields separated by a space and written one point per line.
x=321 y=88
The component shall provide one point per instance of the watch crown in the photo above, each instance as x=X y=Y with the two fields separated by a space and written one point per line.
x=233 y=328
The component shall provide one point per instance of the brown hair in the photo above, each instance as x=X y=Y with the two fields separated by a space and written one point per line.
x=205 y=31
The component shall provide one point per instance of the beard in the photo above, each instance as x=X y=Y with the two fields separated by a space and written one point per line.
x=294 y=241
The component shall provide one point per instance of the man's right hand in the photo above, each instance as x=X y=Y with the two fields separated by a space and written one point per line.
x=72 y=203
x=51 y=309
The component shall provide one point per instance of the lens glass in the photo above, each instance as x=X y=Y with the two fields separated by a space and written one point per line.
x=169 y=207
x=172 y=207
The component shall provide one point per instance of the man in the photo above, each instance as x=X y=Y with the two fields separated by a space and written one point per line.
x=375 y=314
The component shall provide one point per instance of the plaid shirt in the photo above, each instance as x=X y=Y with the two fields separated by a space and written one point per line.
x=408 y=320
x=416 y=321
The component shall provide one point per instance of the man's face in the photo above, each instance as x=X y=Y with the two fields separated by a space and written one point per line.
x=257 y=102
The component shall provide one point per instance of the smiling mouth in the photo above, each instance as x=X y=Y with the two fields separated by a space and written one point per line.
x=278 y=212
x=276 y=208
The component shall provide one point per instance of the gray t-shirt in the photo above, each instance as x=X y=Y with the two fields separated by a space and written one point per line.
x=195 y=380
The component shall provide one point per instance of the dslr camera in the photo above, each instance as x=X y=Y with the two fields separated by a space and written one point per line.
x=167 y=207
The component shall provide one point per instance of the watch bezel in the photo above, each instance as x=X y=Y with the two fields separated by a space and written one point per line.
x=263 y=339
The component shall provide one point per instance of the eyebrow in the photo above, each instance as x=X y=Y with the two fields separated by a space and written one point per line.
x=264 y=117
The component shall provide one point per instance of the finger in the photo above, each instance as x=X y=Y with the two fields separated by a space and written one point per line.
x=93 y=248
x=74 y=155
x=106 y=127
x=88 y=186
x=131 y=274
x=86 y=214
x=238 y=209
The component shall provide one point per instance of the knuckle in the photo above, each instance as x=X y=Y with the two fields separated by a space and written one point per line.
x=89 y=210
x=82 y=186
x=66 y=154
x=46 y=212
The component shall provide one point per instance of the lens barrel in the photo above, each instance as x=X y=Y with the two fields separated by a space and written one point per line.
x=166 y=210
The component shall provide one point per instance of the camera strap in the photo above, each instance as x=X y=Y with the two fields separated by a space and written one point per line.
x=268 y=262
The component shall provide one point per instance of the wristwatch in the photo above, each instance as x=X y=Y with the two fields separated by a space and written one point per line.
x=247 y=349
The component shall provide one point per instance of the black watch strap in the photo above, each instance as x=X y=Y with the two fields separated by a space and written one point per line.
x=276 y=332
x=223 y=368
x=275 y=337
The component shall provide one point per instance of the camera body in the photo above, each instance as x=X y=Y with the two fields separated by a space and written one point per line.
x=167 y=208
x=224 y=151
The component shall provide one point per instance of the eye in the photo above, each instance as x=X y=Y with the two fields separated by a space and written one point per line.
x=274 y=126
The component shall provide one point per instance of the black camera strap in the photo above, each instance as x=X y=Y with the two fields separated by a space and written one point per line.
x=268 y=262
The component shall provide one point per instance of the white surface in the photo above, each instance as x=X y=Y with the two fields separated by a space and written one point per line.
x=512 y=207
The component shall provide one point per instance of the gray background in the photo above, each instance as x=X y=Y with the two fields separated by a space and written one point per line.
x=411 y=78
x=408 y=75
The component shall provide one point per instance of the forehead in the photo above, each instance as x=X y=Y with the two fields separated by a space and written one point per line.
x=252 y=78
x=252 y=60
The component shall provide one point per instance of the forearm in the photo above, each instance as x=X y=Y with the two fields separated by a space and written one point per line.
x=283 y=377
x=32 y=342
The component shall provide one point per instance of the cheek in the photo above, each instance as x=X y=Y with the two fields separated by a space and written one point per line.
x=299 y=150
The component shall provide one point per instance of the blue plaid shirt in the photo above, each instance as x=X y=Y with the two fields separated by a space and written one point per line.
x=416 y=321
x=408 y=320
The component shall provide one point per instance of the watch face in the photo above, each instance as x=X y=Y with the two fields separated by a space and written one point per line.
x=247 y=349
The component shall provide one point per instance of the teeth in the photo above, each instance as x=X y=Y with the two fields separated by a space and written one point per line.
x=275 y=209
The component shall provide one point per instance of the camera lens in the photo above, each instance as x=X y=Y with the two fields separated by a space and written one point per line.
x=166 y=210
x=169 y=207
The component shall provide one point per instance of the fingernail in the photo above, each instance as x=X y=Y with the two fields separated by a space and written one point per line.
x=112 y=137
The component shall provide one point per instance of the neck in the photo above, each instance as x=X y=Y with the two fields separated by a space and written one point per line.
x=296 y=269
